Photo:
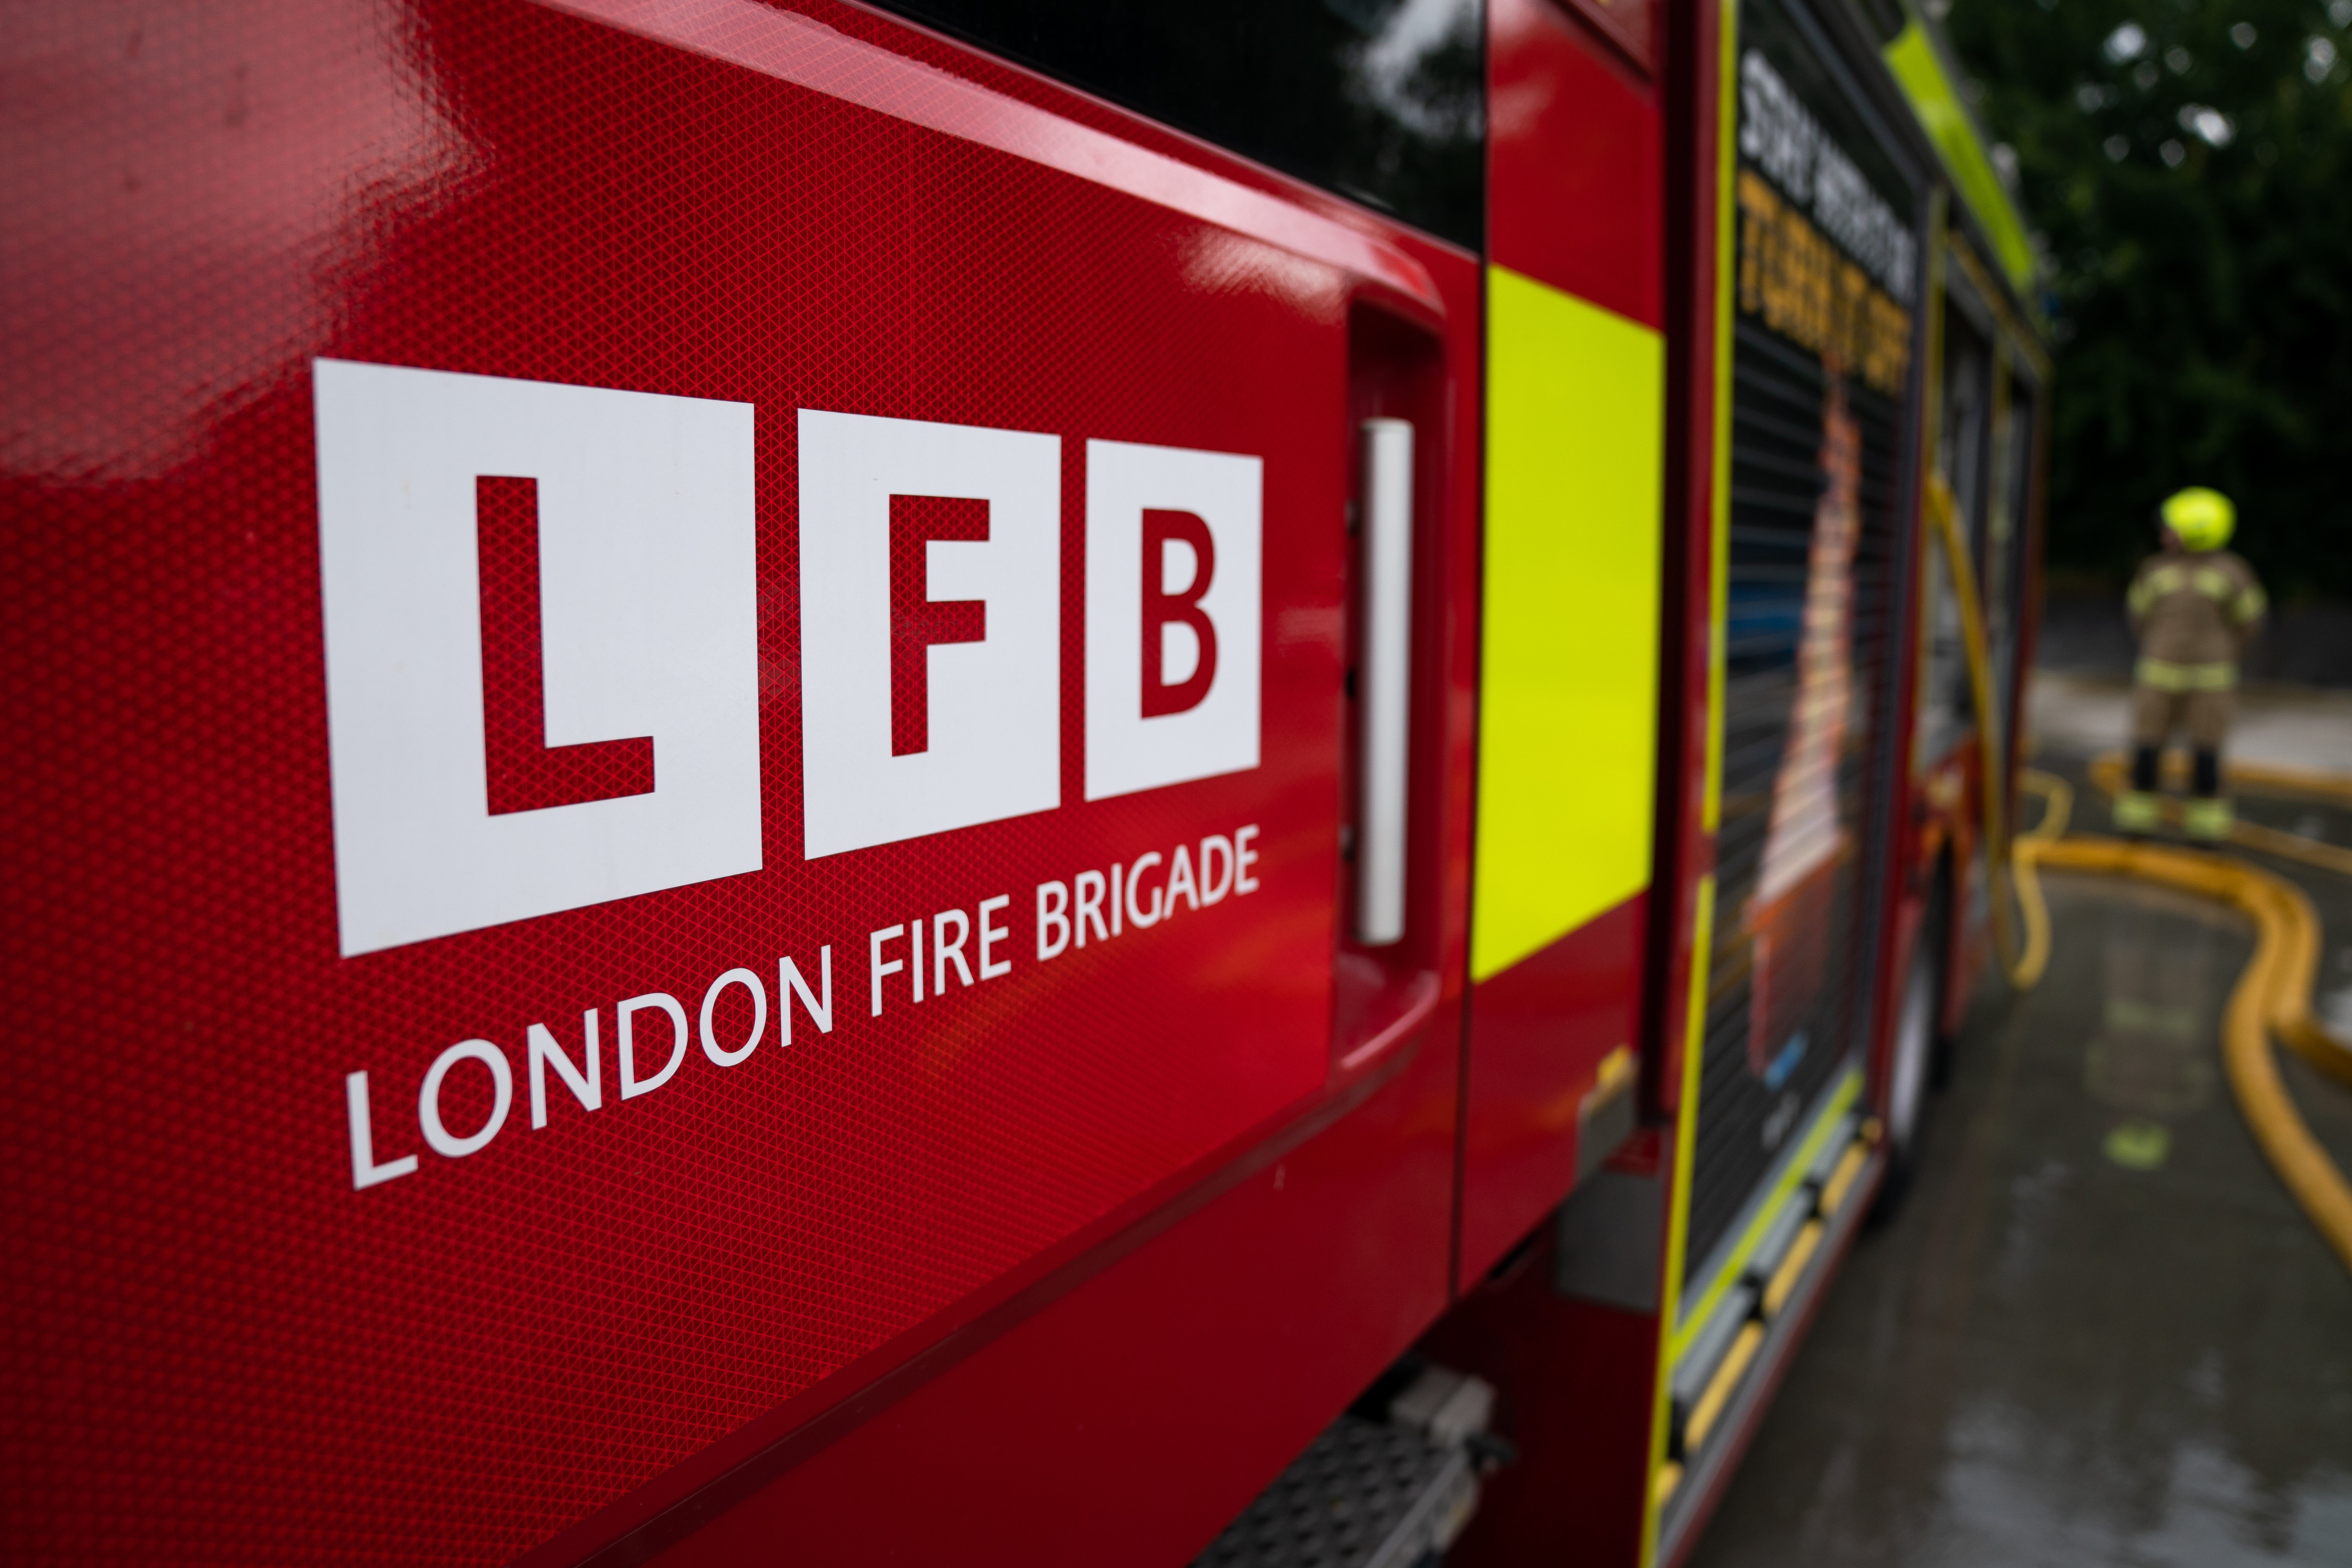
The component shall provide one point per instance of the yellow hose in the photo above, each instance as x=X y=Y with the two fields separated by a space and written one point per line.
x=2273 y=780
x=2026 y=973
x=2274 y=995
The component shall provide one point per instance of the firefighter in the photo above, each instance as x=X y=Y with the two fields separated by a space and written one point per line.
x=2194 y=607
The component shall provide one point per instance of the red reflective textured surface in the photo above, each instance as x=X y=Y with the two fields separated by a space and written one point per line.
x=216 y=1349
x=1130 y=1420
x=917 y=621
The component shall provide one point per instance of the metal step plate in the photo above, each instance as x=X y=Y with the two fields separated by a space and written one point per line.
x=1364 y=1495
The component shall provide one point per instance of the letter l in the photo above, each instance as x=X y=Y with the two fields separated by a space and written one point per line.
x=365 y=1172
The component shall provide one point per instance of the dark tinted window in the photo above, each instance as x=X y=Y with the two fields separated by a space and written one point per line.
x=1791 y=49
x=1382 y=101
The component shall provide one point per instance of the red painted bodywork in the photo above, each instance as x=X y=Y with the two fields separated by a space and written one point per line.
x=217 y=1349
x=1575 y=134
x=1537 y=1033
x=1632 y=26
x=1693 y=110
x=1577 y=129
x=1130 y=1419
x=1575 y=152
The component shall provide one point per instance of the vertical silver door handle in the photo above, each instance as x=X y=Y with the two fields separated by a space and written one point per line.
x=1385 y=679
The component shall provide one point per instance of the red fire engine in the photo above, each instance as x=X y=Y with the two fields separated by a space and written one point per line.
x=971 y=783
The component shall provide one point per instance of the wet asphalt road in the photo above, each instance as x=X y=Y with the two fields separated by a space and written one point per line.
x=2097 y=1331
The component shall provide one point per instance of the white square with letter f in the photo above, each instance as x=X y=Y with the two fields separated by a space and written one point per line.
x=930 y=628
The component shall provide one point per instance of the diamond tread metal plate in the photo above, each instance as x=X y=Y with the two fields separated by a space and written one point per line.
x=1364 y=1495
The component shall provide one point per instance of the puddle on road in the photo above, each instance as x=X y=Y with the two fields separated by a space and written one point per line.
x=2163 y=988
x=2138 y=1145
x=2166 y=977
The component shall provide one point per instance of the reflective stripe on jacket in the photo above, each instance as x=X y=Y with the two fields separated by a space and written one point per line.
x=2241 y=603
x=2164 y=676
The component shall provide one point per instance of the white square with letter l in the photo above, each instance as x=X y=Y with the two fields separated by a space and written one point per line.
x=642 y=634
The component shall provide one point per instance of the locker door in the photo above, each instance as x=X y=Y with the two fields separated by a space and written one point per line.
x=685 y=724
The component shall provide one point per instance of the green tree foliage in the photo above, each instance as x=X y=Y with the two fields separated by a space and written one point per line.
x=2188 y=164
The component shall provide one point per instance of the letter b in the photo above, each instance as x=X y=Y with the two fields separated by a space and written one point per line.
x=1161 y=608
x=1143 y=730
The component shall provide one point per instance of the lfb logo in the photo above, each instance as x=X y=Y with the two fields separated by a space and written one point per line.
x=542 y=661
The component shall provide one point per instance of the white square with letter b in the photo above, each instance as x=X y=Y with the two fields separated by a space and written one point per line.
x=1173 y=605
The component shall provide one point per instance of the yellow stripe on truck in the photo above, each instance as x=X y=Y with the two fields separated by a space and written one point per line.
x=1569 y=673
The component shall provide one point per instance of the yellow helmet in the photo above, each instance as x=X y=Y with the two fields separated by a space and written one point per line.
x=2202 y=518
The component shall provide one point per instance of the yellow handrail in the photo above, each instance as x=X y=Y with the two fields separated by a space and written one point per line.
x=2023 y=964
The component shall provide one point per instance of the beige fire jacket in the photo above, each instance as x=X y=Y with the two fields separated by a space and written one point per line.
x=2193 y=615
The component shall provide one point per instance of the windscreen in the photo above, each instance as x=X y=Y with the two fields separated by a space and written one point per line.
x=1382 y=100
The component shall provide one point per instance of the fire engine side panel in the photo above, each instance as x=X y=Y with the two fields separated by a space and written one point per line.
x=1569 y=683
x=1131 y=1418
x=305 y=288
